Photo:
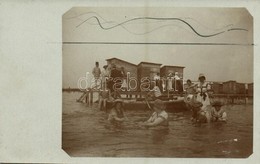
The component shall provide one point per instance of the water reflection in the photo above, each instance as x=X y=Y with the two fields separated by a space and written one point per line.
x=159 y=135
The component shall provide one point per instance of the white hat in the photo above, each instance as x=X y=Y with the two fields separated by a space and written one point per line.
x=202 y=75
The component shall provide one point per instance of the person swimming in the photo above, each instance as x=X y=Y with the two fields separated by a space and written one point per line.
x=159 y=116
x=117 y=114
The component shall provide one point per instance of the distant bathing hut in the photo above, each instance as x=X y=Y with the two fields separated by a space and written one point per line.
x=251 y=89
x=217 y=87
x=232 y=87
x=229 y=87
x=240 y=88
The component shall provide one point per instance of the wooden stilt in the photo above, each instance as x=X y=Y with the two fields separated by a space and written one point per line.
x=91 y=97
x=87 y=98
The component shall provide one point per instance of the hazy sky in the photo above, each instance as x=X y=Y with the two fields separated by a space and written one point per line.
x=217 y=62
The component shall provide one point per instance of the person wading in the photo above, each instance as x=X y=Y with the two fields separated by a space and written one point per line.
x=218 y=113
x=116 y=114
x=159 y=116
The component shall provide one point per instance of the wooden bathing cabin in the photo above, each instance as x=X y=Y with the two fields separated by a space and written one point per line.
x=146 y=73
x=232 y=87
x=135 y=98
x=129 y=67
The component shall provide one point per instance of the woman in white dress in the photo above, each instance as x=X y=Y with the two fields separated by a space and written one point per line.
x=202 y=92
x=169 y=82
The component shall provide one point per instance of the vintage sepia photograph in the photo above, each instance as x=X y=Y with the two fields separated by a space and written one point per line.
x=171 y=82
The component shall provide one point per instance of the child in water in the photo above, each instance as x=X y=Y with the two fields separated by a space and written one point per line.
x=116 y=114
x=218 y=113
x=198 y=115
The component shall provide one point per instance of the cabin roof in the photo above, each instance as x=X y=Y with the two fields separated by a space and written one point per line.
x=149 y=63
x=215 y=82
x=121 y=61
x=230 y=81
x=172 y=66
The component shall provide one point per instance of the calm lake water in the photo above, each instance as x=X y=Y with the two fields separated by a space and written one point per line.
x=87 y=133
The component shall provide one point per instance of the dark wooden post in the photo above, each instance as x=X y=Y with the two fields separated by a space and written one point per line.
x=87 y=97
x=91 y=97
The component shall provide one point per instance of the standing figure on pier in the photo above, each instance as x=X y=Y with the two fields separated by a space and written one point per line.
x=105 y=76
x=124 y=75
x=178 y=83
x=96 y=73
x=202 y=92
x=157 y=78
x=169 y=82
x=115 y=76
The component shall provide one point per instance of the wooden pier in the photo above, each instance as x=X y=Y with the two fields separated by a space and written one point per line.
x=88 y=98
x=234 y=98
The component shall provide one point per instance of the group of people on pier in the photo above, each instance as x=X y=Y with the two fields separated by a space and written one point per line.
x=105 y=79
x=197 y=98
